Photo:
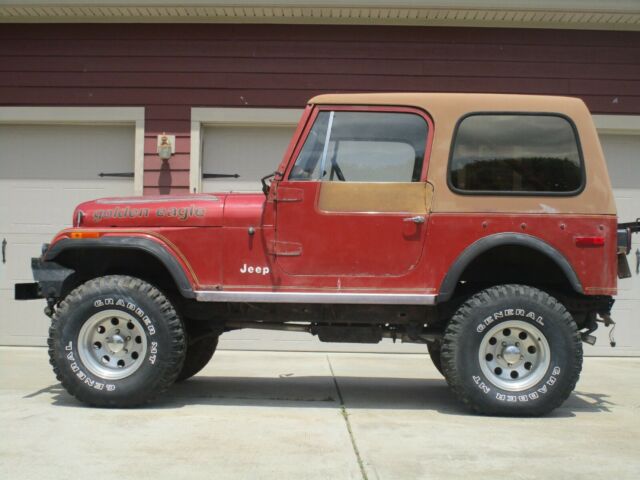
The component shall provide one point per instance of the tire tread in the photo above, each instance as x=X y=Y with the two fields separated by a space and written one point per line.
x=464 y=314
x=123 y=284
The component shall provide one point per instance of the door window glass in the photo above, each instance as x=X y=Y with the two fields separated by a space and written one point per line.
x=363 y=147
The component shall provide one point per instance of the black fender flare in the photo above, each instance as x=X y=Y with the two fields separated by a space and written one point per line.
x=498 y=240
x=151 y=247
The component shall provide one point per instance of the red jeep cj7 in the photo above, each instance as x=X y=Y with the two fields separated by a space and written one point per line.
x=483 y=226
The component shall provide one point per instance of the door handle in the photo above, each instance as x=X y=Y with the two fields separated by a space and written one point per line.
x=416 y=219
x=4 y=250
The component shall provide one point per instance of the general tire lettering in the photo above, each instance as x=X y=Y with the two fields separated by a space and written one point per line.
x=163 y=329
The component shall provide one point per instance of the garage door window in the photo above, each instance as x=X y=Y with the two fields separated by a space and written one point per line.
x=363 y=147
x=529 y=154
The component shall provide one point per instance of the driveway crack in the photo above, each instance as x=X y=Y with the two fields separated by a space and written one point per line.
x=345 y=416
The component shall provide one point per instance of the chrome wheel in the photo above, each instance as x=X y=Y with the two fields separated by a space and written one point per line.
x=112 y=344
x=514 y=355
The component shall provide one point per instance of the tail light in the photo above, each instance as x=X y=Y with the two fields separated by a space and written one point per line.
x=589 y=241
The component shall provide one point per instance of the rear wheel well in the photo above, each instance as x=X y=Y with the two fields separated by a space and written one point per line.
x=515 y=264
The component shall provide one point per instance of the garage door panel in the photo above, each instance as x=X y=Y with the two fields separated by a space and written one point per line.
x=625 y=334
x=251 y=152
x=627 y=204
x=621 y=153
x=64 y=152
x=37 y=208
x=623 y=162
x=25 y=325
x=18 y=249
x=47 y=209
x=629 y=288
x=45 y=171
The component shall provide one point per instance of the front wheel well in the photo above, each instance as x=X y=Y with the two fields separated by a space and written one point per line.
x=89 y=263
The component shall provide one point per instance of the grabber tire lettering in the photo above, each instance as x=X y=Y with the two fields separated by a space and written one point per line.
x=116 y=341
x=512 y=350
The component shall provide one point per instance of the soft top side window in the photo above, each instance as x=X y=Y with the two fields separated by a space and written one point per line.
x=363 y=147
x=517 y=154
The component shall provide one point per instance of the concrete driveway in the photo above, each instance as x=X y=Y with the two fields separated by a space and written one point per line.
x=317 y=416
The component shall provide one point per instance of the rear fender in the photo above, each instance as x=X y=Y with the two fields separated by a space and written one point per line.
x=485 y=244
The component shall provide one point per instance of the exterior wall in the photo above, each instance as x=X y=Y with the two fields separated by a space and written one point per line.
x=168 y=69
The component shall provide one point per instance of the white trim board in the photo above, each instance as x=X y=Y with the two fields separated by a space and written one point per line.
x=617 y=124
x=566 y=14
x=233 y=116
x=87 y=116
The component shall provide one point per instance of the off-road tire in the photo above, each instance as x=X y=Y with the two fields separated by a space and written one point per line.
x=502 y=306
x=160 y=331
x=435 y=355
x=198 y=355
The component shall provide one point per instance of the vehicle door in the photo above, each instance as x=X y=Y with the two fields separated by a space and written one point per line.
x=354 y=200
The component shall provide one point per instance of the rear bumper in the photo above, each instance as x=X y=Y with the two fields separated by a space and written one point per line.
x=49 y=281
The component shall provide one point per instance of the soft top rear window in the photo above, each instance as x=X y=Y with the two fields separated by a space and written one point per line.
x=517 y=154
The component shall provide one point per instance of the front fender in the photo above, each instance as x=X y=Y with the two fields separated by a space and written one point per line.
x=142 y=244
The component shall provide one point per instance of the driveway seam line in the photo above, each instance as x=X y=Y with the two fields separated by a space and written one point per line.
x=345 y=416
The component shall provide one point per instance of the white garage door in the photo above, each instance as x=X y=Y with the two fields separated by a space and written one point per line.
x=45 y=171
x=251 y=152
x=623 y=159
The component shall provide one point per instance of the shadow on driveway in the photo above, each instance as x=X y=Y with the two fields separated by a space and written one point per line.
x=320 y=392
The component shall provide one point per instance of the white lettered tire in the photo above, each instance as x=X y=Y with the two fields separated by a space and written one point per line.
x=512 y=350
x=116 y=341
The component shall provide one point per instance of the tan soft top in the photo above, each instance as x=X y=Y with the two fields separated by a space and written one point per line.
x=447 y=108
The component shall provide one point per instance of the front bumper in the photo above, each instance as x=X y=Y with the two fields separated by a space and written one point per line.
x=49 y=277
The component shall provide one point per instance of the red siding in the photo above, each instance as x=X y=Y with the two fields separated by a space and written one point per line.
x=169 y=69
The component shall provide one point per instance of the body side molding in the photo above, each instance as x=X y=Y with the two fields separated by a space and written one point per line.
x=316 y=297
x=499 y=240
